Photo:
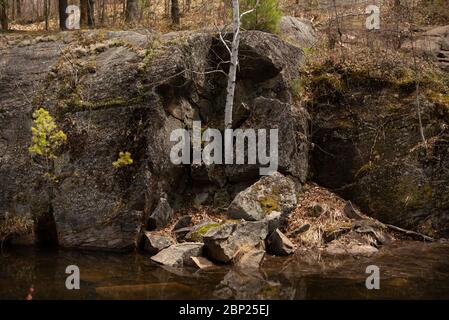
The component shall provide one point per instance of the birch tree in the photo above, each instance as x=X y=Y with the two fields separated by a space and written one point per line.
x=234 y=53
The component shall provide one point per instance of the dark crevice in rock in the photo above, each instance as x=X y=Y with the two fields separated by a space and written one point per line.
x=45 y=229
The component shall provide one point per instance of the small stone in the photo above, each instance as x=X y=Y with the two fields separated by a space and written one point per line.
x=279 y=244
x=316 y=209
x=222 y=199
x=180 y=234
x=202 y=263
x=251 y=260
x=275 y=221
x=301 y=229
x=200 y=198
x=329 y=236
x=183 y=222
x=154 y=243
x=179 y=255
x=161 y=216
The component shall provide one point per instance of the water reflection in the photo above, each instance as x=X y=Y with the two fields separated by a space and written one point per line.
x=239 y=285
x=409 y=270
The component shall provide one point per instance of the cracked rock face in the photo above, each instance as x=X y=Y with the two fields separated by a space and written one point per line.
x=434 y=43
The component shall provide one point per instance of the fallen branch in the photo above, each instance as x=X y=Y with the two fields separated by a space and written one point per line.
x=410 y=233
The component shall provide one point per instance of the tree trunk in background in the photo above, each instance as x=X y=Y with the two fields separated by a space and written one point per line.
x=175 y=12
x=132 y=11
x=87 y=13
x=18 y=9
x=224 y=13
x=62 y=14
x=187 y=5
x=13 y=10
x=3 y=15
x=83 y=13
x=103 y=8
x=167 y=8
x=46 y=12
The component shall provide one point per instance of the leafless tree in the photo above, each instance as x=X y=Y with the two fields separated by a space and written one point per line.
x=3 y=14
x=132 y=11
x=175 y=15
x=234 y=53
x=62 y=14
x=87 y=13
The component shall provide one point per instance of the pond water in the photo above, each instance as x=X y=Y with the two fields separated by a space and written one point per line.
x=409 y=270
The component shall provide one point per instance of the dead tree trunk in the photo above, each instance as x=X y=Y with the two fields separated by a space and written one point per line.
x=132 y=11
x=62 y=14
x=233 y=64
x=87 y=13
x=175 y=12
x=18 y=9
x=3 y=15
x=46 y=14
x=234 y=52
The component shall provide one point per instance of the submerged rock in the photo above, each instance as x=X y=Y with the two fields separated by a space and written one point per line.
x=179 y=255
x=252 y=285
x=271 y=193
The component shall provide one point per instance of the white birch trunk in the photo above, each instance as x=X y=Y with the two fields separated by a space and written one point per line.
x=233 y=65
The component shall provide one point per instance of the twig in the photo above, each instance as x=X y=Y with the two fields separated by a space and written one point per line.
x=411 y=233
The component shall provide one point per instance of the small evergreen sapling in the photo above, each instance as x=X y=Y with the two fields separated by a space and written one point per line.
x=124 y=159
x=265 y=18
x=46 y=137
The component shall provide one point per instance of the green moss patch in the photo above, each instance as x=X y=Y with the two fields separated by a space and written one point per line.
x=198 y=234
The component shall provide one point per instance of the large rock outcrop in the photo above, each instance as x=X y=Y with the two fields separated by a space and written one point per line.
x=369 y=147
x=127 y=91
x=433 y=43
